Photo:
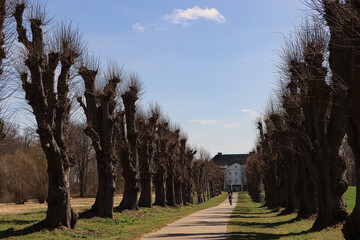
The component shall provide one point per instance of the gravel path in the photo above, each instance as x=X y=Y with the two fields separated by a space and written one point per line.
x=209 y=223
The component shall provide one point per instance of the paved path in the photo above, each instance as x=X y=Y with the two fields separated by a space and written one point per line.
x=206 y=224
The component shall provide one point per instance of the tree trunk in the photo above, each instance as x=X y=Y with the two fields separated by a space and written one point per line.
x=82 y=184
x=178 y=193
x=104 y=203
x=146 y=155
x=145 y=199
x=331 y=187
x=184 y=193
x=59 y=212
x=130 y=197
x=160 y=193
x=308 y=206
x=351 y=229
x=170 y=192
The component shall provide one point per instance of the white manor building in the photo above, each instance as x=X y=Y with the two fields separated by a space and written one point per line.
x=233 y=166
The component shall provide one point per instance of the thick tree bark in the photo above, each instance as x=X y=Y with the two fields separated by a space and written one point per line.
x=178 y=193
x=59 y=212
x=131 y=185
x=160 y=189
x=104 y=203
x=308 y=204
x=145 y=159
x=170 y=191
x=184 y=193
x=145 y=199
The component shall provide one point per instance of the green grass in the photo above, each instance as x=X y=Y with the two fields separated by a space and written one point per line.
x=125 y=225
x=251 y=221
x=350 y=197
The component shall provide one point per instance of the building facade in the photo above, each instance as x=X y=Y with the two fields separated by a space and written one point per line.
x=233 y=166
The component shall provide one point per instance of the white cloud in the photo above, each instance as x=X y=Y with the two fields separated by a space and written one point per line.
x=179 y=16
x=252 y=113
x=206 y=122
x=148 y=27
x=138 y=27
x=247 y=110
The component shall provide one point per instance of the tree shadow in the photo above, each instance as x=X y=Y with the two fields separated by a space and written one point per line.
x=17 y=222
x=265 y=224
x=191 y=235
x=10 y=232
x=263 y=236
x=87 y=214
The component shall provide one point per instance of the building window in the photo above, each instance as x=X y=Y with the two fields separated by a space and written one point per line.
x=230 y=181
x=236 y=180
x=229 y=173
x=235 y=166
x=236 y=173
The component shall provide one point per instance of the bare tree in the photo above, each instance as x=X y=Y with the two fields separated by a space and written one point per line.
x=101 y=114
x=51 y=108
x=342 y=19
x=129 y=156
x=146 y=154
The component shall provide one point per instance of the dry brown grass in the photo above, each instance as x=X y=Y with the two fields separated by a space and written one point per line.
x=31 y=205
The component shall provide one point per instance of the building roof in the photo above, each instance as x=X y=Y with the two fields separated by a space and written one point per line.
x=229 y=159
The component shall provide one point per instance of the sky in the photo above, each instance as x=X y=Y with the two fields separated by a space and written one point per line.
x=210 y=64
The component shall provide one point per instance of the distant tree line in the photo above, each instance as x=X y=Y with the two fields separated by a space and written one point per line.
x=118 y=138
x=309 y=145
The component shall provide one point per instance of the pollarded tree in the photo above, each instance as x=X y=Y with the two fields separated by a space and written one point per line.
x=342 y=18
x=327 y=103
x=180 y=172
x=51 y=107
x=160 y=164
x=147 y=128
x=101 y=116
x=190 y=181
x=128 y=146
x=171 y=155
x=253 y=176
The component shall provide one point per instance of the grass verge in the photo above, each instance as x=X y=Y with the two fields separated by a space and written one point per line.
x=125 y=225
x=251 y=221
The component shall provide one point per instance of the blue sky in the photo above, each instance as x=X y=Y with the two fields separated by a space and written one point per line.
x=209 y=63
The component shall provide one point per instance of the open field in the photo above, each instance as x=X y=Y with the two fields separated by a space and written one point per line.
x=251 y=221
x=16 y=221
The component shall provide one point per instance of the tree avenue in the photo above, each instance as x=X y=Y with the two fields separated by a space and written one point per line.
x=121 y=147
x=300 y=157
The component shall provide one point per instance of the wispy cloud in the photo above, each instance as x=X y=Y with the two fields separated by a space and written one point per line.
x=138 y=27
x=151 y=27
x=180 y=16
x=206 y=122
x=252 y=113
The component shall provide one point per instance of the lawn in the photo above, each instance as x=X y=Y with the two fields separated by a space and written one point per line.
x=18 y=222
x=251 y=221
